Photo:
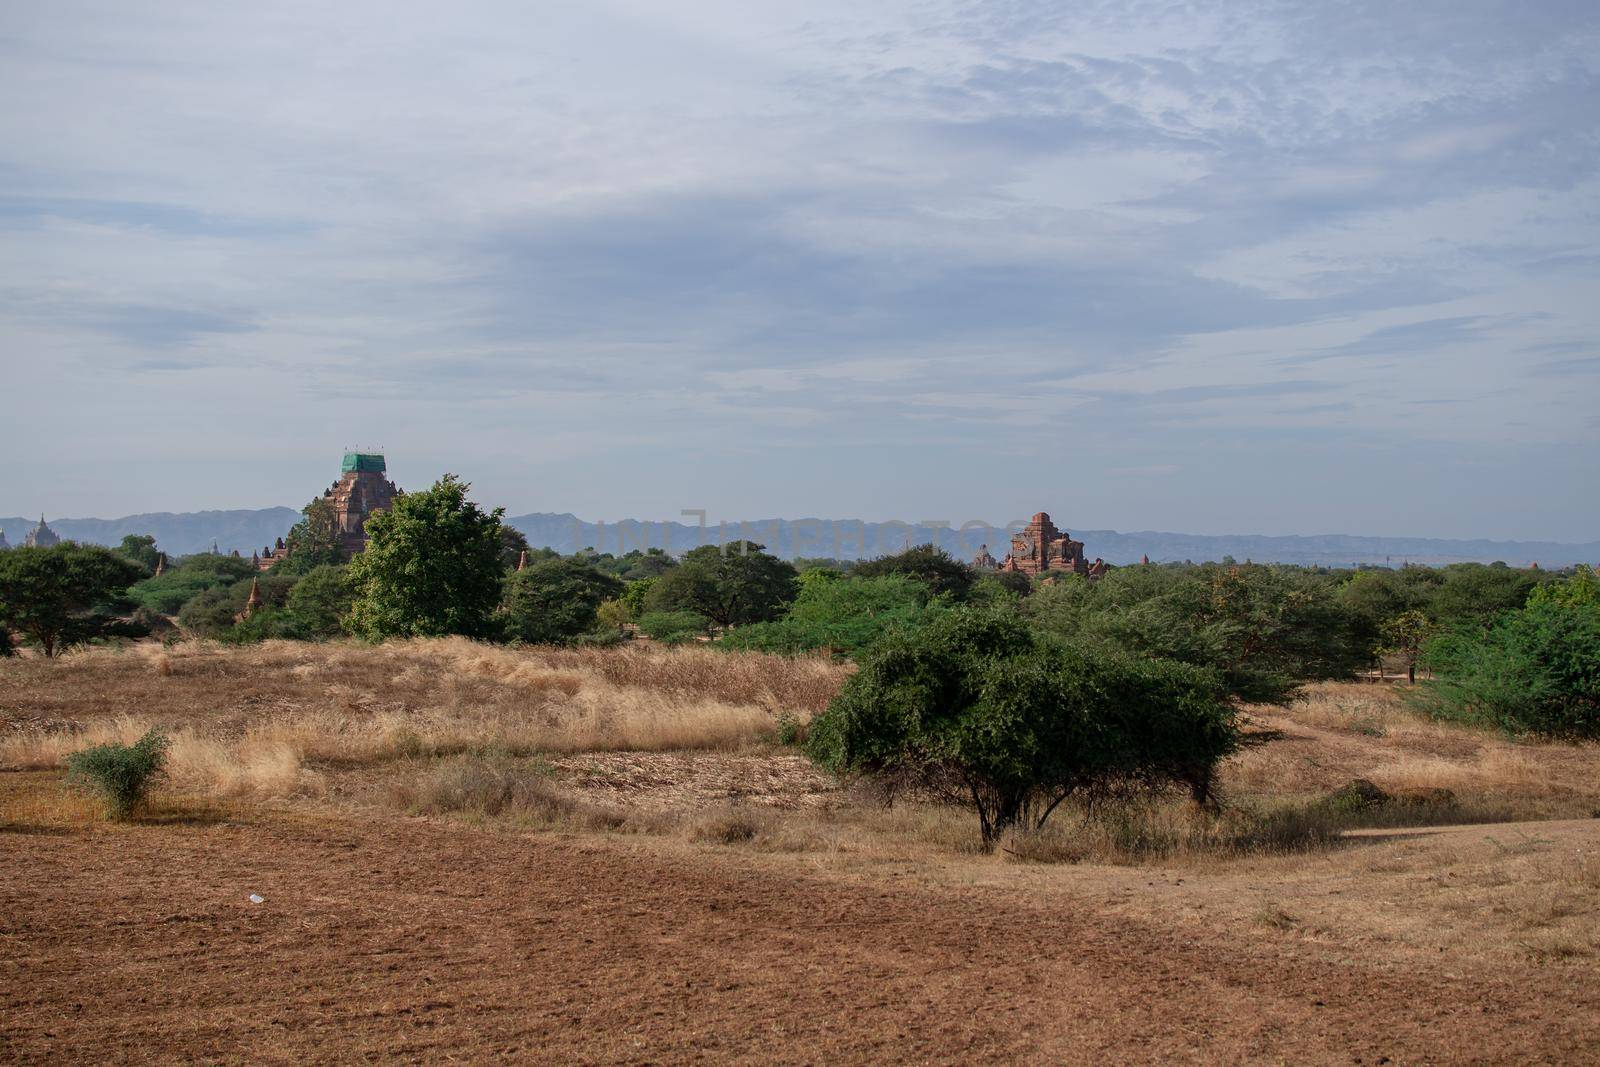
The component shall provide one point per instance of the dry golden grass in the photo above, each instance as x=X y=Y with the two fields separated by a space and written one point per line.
x=1340 y=731
x=273 y=720
x=440 y=719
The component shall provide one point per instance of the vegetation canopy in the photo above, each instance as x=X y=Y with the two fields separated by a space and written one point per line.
x=432 y=567
x=121 y=774
x=64 y=595
x=555 y=601
x=980 y=708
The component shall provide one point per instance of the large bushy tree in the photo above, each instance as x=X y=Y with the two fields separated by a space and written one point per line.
x=186 y=579
x=431 y=567
x=313 y=541
x=212 y=612
x=983 y=707
x=732 y=585
x=931 y=565
x=1264 y=628
x=320 y=601
x=64 y=595
x=555 y=601
x=844 y=615
x=141 y=548
x=1535 y=670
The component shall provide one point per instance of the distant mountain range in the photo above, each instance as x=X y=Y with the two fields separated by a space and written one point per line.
x=176 y=534
x=247 y=531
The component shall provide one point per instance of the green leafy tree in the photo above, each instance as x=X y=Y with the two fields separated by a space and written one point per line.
x=1536 y=670
x=636 y=565
x=64 y=595
x=681 y=589
x=1371 y=599
x=983 y=708
x=319 y=602
x=732 y=585
x=1582 y=589
x=1475 y=594
x=187 y=578
x=215 y=611
x=1264 y=628
x=555 y=601
x=843 y=615
x=633 y=597
x=1405 y=636
x=431 y=567
x=613 y=614
x=313 y=541
x=141 y=548
x=673 y=627
x=943 y=574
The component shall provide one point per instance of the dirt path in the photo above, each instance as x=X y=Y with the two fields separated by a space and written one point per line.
x=404 y=939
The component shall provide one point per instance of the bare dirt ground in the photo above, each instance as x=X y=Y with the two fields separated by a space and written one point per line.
x=827 y=929
x=404 y=938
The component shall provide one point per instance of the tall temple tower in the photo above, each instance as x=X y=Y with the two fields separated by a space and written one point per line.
x=41 y=536
x=360 y=491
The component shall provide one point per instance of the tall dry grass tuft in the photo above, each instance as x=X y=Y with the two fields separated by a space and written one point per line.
x=503 y=788
x=796 y=684
x=261 y=721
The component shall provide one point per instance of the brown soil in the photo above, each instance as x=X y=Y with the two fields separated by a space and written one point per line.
x=397 y=938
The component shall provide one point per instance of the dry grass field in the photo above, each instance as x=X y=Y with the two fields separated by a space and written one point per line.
x=610 y=856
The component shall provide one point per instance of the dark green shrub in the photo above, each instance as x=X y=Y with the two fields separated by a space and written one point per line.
x=671 y=627
x=979 y=707
x=553 y=602
x=122 y=774
x=843 y=614
x=732 y=585
x=65 y=595
x=1263 y=628
x=1535 y=671
x=931 y=565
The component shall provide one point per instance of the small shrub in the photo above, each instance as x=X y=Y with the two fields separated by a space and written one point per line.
x=497 y=787
x=726 y=828
x=601 y=639
x=671 y=627
x=791 y=731
x=121 y=773
x=1357 y=795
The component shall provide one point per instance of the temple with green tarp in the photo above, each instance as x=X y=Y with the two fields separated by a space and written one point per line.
x=363 y=462
x=361 y=491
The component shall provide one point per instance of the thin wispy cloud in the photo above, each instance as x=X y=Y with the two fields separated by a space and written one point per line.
x=1321 y=265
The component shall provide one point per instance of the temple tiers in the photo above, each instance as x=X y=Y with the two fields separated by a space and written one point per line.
x=1040 y=548
x=41 y=536
x=360 y=491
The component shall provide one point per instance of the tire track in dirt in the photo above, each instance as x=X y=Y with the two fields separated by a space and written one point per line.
x=404 y=939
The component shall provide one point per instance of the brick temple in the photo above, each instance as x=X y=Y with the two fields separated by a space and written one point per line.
x=1040 y=548
x=362 y=490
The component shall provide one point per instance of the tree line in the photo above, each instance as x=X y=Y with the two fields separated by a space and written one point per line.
x=1504 y=645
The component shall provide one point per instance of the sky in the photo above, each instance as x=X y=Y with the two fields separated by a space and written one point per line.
x=1245 y=267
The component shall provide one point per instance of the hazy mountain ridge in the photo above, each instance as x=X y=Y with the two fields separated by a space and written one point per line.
x=177 y=533
x=249 y=530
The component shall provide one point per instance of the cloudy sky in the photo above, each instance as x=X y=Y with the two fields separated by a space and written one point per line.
x=1272 y=267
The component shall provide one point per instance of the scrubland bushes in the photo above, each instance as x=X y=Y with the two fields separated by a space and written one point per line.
x=983 y=709
x=121 y=774
x=1534 y=670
